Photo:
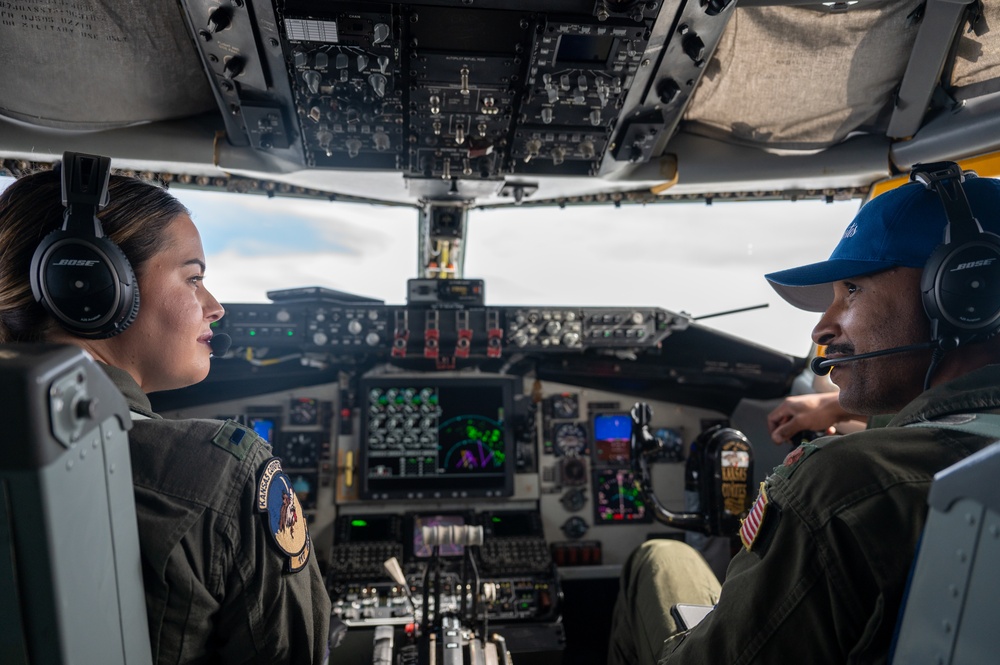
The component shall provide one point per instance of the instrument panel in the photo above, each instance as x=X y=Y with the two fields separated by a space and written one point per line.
x=444 y=335
x=571 y=493
x=450 y=415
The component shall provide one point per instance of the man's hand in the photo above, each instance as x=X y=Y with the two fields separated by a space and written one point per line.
x=818 y=412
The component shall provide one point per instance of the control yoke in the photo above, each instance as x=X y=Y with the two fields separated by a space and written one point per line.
x=724 y=469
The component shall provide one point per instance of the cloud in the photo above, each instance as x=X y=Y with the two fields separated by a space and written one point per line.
x=260 y=226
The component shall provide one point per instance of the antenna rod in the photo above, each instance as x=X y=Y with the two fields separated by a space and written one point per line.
x=731 y=311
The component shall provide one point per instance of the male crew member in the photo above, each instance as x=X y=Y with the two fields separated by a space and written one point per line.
x=830 y=539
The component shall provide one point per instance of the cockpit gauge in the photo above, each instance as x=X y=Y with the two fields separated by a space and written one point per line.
x=300 y=450
x=573 y=472
x=575 y=527
x=305 y=486
x=303 y=411
x=671 y=444
x=569 y=439
x=565 y=406
x=617 y=498
x=573 y=500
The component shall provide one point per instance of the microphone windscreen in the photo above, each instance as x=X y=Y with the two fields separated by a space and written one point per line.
x=220 y=343
x=818 y=368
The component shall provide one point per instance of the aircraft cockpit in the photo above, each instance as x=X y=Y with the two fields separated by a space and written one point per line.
x=482 y=424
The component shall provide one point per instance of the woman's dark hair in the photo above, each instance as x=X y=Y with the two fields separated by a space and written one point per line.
x=135 y=219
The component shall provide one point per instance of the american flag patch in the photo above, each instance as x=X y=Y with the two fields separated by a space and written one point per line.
x=750 y=526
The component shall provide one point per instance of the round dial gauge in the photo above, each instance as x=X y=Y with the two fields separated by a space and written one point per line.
x=303 y=411
x=565 y=406
x=569 y=439
x=300 y=450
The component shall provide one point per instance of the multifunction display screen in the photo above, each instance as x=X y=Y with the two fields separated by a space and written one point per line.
x=429 y=438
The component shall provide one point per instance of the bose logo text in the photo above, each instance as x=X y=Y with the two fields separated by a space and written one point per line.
x=81 y=262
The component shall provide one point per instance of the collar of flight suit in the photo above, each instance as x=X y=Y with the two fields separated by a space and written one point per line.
x=978 y=390
x=138 y=402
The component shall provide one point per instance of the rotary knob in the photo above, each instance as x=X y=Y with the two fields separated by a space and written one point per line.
x=220 y=19
x=571 y=339
x=319 y=338
x=354 y=327
x=372 y=339
x=312 y=79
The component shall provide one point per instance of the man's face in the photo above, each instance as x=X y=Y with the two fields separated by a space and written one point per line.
x=872 y=313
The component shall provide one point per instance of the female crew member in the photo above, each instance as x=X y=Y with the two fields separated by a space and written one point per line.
x=227 y=577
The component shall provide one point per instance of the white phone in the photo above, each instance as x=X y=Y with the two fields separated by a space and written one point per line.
x=688 y=616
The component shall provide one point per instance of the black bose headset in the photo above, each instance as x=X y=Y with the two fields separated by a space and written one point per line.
x=961 y=279
x=82 y=278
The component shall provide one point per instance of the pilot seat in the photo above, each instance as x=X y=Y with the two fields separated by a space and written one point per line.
x=70 y=576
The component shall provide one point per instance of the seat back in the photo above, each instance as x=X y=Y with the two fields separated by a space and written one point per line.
x=70 y=573
x=954 y=595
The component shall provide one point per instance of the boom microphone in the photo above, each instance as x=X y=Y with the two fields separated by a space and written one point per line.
x=220 y=343
x=822 y=366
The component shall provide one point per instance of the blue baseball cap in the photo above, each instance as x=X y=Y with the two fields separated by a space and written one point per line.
x=900 y=228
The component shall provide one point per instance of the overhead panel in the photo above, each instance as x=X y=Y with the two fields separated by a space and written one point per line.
x=242 y=55
x=674 y=67
x=434 y=90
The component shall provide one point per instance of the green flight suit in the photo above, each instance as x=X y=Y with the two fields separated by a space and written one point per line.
x=217 y=584
x=823 y=577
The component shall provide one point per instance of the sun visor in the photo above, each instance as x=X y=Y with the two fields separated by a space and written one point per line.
x=98 y=64
x=848 y=65
x=977 y=60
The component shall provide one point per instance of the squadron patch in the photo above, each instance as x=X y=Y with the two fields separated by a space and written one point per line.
x=283 y=514
x=750 y=526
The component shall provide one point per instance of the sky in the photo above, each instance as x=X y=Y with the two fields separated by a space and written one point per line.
x=684 y=257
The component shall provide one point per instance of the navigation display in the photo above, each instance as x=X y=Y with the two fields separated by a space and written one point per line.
x=436 y=437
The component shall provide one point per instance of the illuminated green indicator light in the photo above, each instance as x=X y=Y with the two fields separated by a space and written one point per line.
x=496 y=519
x=253 y=332
x=359 y=523
x=290 y=333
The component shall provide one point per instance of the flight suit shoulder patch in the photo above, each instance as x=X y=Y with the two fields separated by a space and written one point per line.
x=750 y=525
x=794 y=459
x=235 y=439
x=758 y=527
x=282 y=514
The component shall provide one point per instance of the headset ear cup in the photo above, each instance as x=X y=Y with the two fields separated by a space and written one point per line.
x=86 y=283
x=928 y=279
x=960 y=286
